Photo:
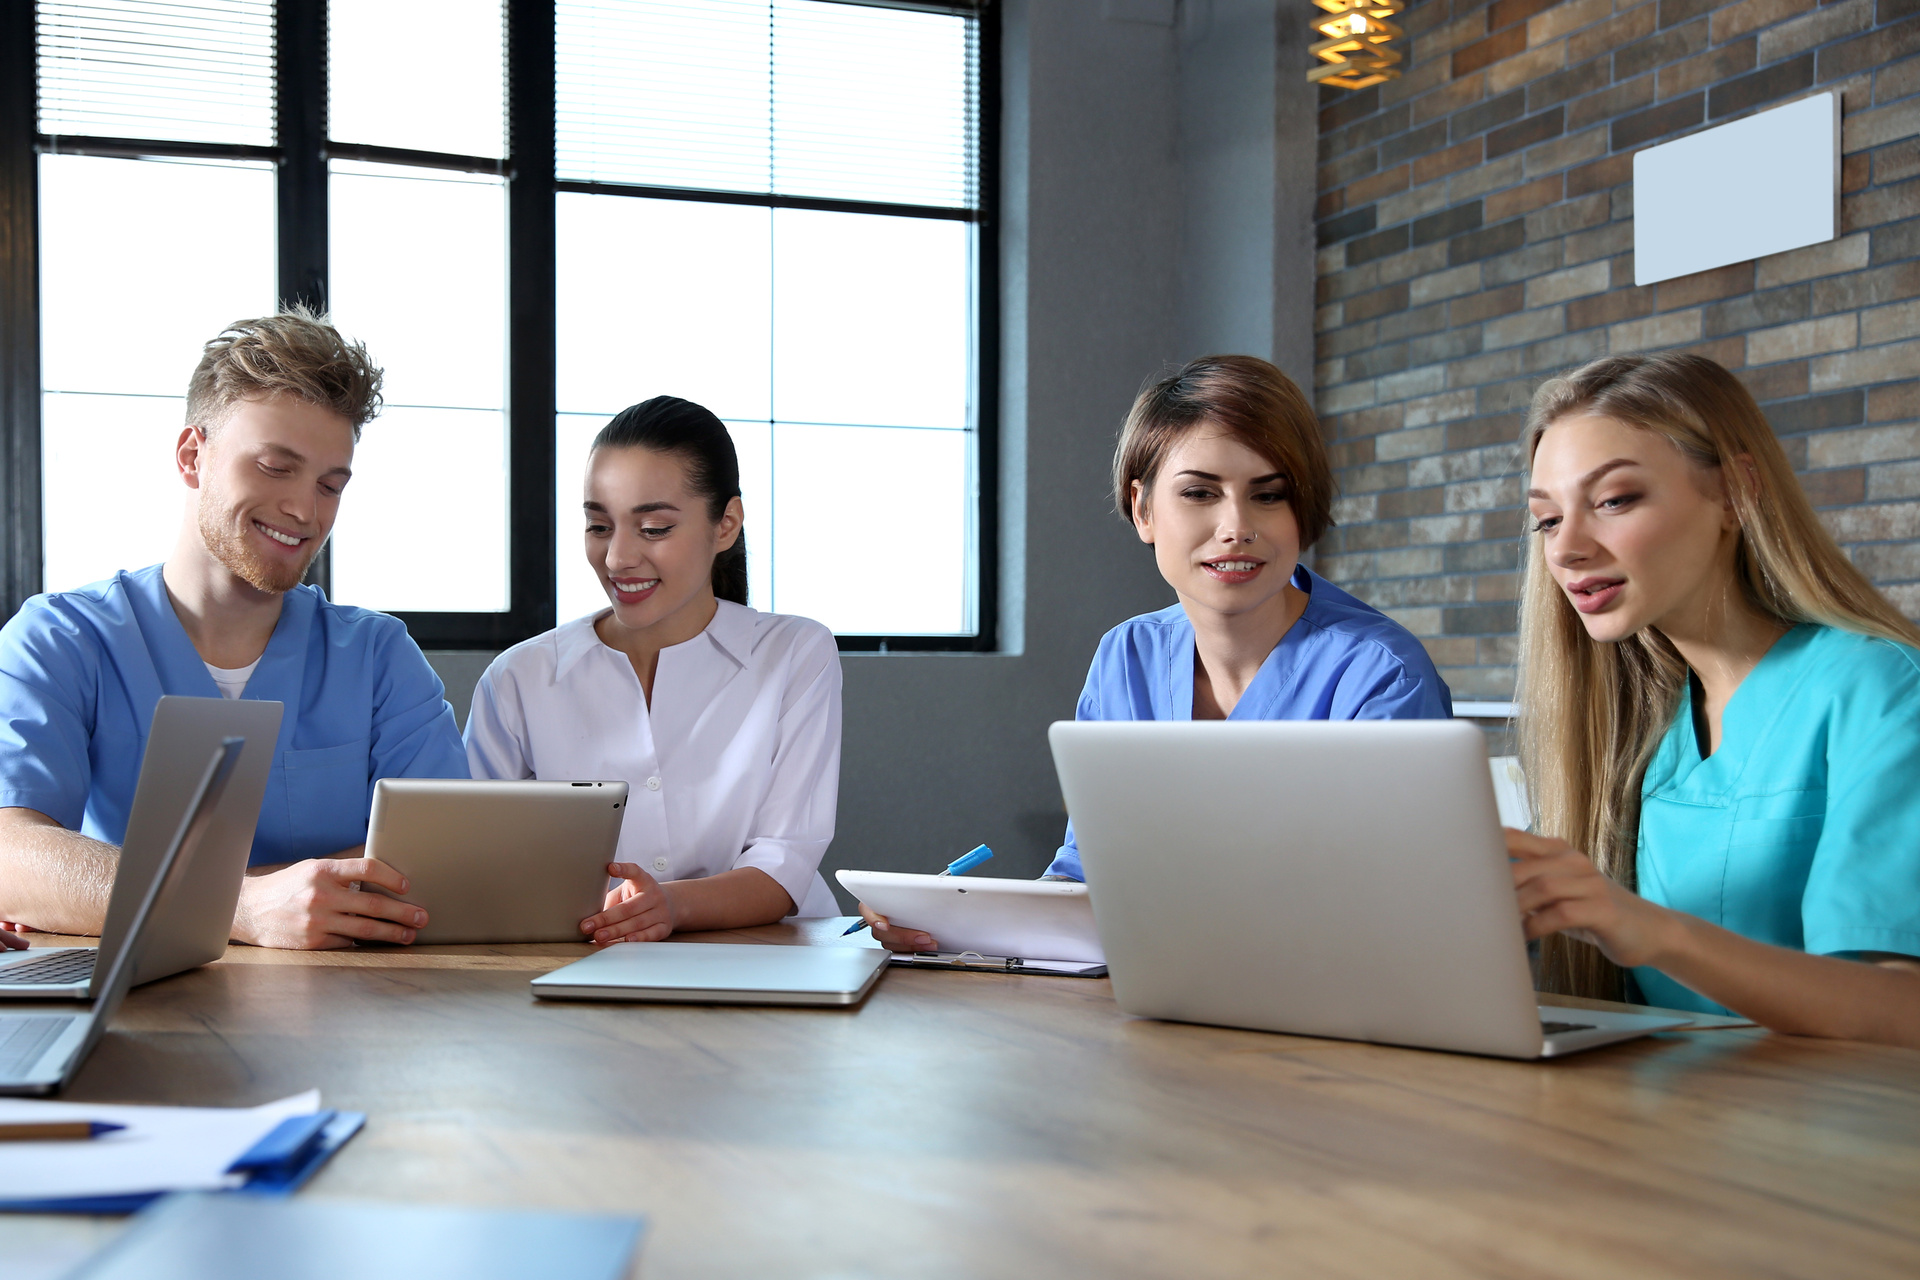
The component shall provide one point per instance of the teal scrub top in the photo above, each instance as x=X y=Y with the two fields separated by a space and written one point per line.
x=1803 y=829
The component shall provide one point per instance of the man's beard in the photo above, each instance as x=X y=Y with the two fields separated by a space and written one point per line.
x=232 y=550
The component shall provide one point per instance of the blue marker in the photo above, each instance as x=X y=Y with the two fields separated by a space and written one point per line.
x=959 y=866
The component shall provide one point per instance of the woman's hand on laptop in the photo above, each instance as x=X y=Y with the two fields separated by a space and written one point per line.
x=10 y=939
x=638 y=909
x=896 y=939
x=1562 y=891
x=319 y=905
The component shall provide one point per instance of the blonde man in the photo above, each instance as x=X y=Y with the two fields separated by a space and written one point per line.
x=273 y=413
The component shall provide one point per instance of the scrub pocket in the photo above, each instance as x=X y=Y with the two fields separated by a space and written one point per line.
x=1769 y=858
x=327 y=795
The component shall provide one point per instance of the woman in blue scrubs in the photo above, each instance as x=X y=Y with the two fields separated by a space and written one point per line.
x=1720 y=709
x=1223 y=473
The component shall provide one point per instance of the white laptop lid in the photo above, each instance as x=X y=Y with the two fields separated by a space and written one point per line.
x=1339 y=879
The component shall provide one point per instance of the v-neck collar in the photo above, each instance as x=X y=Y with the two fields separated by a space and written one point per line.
x=281 y=672
x=1761 y=699
x=1268 y=681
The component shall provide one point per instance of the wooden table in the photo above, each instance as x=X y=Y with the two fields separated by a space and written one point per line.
x=986 y=1125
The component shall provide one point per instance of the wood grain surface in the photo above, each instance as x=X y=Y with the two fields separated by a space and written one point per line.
x=992 y=1125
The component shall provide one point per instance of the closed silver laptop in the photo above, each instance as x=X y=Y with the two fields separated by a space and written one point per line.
x=719 y=973
x=190 y=928
x=1343 y=879
x=41 y=1052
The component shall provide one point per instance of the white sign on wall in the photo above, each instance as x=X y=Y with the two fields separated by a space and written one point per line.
x=1762 y=185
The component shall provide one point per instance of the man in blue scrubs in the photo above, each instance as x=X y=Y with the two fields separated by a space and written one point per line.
x=273 y=412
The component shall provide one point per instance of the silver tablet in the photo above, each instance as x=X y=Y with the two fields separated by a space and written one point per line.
x=495 y=861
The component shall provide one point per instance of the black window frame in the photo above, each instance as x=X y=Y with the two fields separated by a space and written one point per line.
x=300 y=157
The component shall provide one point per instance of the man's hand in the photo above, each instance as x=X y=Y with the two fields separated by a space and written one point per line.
x=894 y=939
x=10 y=939
x=317 y=905
x=638 y=909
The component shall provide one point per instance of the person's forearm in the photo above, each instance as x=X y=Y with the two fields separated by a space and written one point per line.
x=53 y=879
x=1791 y=991
x=736 y=899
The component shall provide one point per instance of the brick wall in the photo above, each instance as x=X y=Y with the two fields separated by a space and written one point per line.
x=1476 y=224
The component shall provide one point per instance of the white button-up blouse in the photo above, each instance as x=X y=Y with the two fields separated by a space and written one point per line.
x=736 y=764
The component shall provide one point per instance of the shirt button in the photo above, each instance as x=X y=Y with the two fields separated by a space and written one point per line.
x=653 y=784
x=659 y=864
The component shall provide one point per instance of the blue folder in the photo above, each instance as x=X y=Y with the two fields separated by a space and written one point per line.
x=275 y=1166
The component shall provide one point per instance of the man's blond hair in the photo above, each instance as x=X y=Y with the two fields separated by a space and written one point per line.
x=295 y=353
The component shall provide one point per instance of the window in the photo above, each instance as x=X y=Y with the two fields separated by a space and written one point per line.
x=769 y=209
x=772 y=208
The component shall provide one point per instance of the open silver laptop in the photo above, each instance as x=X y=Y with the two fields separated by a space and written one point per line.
x=41 y=1052
x=191 y=928
x=1343 y=879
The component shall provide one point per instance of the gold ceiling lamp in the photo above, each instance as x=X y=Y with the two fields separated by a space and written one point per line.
x=1355 y=50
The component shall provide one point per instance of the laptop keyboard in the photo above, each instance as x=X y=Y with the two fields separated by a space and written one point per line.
x=1555 y=1028
x=24 y=1039
x=55 y=967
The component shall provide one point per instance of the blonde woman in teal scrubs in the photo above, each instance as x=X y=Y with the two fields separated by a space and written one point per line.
x=1720 y=710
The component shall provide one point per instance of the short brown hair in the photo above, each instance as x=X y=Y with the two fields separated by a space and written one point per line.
x=1251 y=401
x=295 y=353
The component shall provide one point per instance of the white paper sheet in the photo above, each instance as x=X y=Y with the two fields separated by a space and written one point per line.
x=161 y=1149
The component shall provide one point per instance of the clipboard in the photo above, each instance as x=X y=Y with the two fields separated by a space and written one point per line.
x=277 y=1165
x=978 y=963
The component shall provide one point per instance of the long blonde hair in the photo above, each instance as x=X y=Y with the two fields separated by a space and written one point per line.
x=1592 y=714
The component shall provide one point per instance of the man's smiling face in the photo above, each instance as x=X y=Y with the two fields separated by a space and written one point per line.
x=269 y=480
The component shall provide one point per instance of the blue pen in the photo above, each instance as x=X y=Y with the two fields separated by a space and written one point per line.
x=959 y=866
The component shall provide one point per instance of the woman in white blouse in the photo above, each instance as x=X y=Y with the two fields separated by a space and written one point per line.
x=723 y=721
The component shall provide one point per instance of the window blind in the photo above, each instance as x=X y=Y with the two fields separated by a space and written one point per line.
x=176 y=72
x=789 y=97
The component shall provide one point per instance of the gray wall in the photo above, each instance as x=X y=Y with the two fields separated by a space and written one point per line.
x=1158 y=167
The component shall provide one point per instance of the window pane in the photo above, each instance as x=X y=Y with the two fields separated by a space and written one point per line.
x=801 y=97
x=833 y=487
x=579 y=588
x=112 y=494
x=183 y=72
x=872 y=319
x=669 y=93
x=423 y=525
x=121 y=234
x=429 y=77
x=110 y=231
x=418 y=261
x=873 y=104
x=663 y=297
x=419 y=274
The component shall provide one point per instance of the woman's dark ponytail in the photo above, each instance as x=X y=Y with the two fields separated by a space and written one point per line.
x=668 y=424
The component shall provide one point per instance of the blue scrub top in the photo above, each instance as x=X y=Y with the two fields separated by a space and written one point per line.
x=1343 y=660
x=1803 y=829
x=81 y=672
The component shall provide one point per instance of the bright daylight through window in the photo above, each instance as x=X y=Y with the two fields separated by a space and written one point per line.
x=836 y=343
x=770 y=208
